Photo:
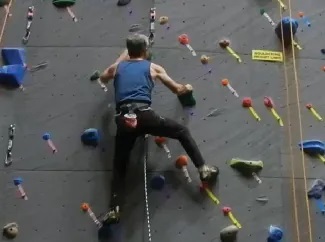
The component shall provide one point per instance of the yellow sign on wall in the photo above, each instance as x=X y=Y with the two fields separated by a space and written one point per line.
x=267 y=55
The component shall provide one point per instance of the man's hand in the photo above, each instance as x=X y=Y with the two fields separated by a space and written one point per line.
x=185 y=89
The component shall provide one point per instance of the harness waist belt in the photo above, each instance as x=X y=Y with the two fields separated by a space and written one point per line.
x=132 y=107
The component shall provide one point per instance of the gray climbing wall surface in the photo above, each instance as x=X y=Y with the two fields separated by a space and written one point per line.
x=62 y=101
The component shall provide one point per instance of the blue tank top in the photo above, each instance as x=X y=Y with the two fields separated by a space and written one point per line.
x=133 y=82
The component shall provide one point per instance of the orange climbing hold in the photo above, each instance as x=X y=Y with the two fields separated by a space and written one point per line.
x=85 y=207
x=181 y=161
x=224 y=82
x=301 y=14
x=160 y=140
x=183 y=39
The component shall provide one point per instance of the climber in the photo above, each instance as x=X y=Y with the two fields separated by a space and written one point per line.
x=134 y=79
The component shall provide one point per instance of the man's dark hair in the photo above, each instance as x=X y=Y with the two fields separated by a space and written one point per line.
x=137 y=45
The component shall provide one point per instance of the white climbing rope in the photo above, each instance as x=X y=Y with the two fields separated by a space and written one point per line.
x=146 y=185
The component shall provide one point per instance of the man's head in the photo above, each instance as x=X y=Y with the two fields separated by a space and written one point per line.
x=137 y=45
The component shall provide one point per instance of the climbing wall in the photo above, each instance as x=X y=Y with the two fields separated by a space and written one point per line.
x=61 y=100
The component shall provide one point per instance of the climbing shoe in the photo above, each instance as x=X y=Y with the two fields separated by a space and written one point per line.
x=246 y=166
x=112 y=217
x=208 y=174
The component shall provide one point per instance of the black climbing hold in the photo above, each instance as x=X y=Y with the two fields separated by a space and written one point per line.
x=63 y=3
x=95 y=76
x=10 y=230
x=123 y=2
x=323 y=51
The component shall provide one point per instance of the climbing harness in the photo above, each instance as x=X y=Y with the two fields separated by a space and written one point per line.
x=146 y=185
x=128 y=111
x=30 y=15
x=8 y=159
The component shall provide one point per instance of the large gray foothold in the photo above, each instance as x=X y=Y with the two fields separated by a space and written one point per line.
x=229 y=234
x=136 y=28
x=10 y=230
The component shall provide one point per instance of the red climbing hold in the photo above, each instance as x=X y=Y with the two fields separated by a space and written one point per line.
x=183 y=39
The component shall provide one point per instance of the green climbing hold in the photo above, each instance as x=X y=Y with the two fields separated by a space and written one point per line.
x=63 y=3
x=187 y=99
x=4 y=2
x=246 y=166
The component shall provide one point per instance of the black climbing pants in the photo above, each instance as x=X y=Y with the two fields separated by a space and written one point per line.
x=148 y=122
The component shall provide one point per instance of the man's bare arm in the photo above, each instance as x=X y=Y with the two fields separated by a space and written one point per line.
x=123 y=57
x=175 y=87
x=109 y=73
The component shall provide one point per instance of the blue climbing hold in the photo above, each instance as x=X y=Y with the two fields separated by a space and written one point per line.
x=157 y=182
x=46 y=136
x=312 y=147
x=14 y=56
x=90 y=137
x=12 y=75
x=286 y=23
x=275 y=234
x=18 y=181
x=288 y=20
